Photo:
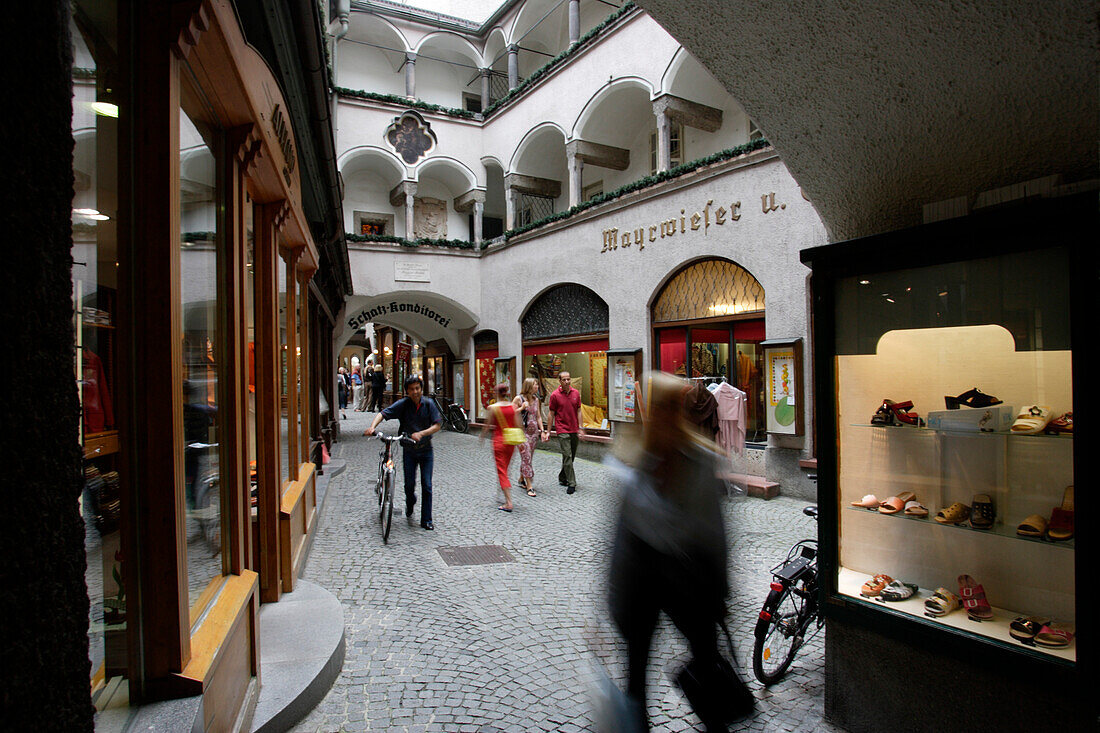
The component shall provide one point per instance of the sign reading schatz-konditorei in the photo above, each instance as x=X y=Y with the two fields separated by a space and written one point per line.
x=393 y=308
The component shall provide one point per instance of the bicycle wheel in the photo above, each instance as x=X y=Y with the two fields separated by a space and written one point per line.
x=458 y=419
x=387 y=506
x=775 y=647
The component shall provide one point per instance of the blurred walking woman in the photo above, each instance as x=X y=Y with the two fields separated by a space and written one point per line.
x=527 y=402
x=670 y=546
x=505 y=440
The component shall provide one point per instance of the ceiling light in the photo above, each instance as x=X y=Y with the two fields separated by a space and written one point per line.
x=105 y=109
x=864 y=282
x=943 y=294
x=86 y=212
x=889 y=300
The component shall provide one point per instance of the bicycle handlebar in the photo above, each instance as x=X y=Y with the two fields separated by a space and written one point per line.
x=403 y=439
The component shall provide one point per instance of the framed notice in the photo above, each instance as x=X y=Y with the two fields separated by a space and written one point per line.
x=623 y=373
x=783 y=406
x=411 y=272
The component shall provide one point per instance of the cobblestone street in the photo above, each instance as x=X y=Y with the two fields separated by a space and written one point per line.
x=511 y=646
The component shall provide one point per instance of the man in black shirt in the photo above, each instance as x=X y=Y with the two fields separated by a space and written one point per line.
x=420 y=419
x=378 y=387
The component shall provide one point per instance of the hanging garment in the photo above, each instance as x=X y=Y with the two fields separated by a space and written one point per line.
x=99 y=413
x=701 y=409
x=732 y=417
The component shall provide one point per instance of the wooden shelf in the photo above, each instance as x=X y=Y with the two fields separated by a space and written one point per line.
x=999 y=529
x=98 y=445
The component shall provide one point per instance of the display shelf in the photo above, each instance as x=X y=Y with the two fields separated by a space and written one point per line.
x=850 y=581
x=966 y=433
x=998 y=529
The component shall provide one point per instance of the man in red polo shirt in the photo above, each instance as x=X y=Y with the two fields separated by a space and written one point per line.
x=565 y=417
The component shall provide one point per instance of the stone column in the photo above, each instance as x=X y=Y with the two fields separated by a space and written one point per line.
x=576 y=168
x=574 y=20
x=513 y=66
x=410 y=75
x=479 y=215
x=405 y=193
x=410 y=217
x=511 y=198
x=485 y=74
x=664 y=142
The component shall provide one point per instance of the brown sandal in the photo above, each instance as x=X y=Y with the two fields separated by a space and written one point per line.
x=957 y=513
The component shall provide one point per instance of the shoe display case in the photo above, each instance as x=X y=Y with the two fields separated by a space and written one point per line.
x=945 y=383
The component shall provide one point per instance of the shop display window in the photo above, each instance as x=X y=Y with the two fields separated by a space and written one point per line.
x=95 y=293
x=250 y=339
x=587 y=367
x=458 y=379
x=200 y=250
x=483 y=382
x=284 y=269
x=954 y=400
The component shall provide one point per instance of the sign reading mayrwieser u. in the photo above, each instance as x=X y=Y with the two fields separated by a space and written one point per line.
x=369 y=314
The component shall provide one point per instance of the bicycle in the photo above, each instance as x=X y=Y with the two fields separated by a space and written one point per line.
x=791 y=607
x=454 y=416
x=386 y=479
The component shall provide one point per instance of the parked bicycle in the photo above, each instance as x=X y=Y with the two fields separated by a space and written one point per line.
x=454 y=416
x=790 y=610
x=387 y=479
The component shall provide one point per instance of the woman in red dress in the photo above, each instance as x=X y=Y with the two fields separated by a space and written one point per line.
x=503 y=415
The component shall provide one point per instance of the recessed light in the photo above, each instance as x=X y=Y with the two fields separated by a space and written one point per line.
x=105 y=109
x=864 y=282
x=889 y=300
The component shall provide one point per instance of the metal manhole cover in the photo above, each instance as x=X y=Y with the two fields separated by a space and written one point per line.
x=475 y=555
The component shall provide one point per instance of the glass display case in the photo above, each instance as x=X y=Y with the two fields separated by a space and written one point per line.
x=945 y=391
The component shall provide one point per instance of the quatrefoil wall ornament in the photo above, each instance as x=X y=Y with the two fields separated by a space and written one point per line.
x=410 y=136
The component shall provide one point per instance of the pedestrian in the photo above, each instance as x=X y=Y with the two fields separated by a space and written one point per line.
x=368 y=390
x=342 y=390
x=565 y=417
x=507 y=435
x=670 y=555
x=356 y=385
x=420 y=419
x=378 y=387
x=529 y=406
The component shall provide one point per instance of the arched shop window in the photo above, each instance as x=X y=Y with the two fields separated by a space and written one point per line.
x=708 y=321
x=566 y=329
x=485 y=352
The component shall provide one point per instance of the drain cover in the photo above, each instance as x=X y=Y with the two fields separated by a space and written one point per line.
x=475 y=555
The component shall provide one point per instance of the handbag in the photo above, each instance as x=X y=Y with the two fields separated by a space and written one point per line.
x=511 y=436
x=717 y=695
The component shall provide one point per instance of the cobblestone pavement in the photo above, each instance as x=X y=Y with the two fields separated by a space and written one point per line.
x=511 y=646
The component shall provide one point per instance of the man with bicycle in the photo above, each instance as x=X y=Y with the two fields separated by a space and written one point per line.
x=420 y=419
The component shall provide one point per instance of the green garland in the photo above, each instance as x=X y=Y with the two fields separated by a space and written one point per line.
x=641 y=183
x=404 y=102
x=83 y=72
x=561 y=57
x=419 y=242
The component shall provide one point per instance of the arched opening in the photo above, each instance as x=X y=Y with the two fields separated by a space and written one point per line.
x=369 y=175
x=448 y=71
x=619 y=116
x=371 y=55
x=544 y=188
x=687 y=79
x=492 y=225
x=566 y=329
x=439 y=181
x=496 y=60
x=708 y=322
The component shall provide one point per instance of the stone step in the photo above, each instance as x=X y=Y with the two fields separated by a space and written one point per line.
x=754 y=485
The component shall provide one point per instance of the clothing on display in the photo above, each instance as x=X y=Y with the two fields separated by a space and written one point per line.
x=701 y=408
x=99 y=412
x=732 y=416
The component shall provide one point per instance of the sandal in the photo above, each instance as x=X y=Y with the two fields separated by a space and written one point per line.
x=941 y=603
x=895 y=591
x=1033 y=526
x=1060 y=527
x=870 y=501
x=957 y=513
x=902 y=414
x=973 y=599
x=531 y=492
x=1059 y=425
x=1031 y=420
x=875 y=585
x=1024 y=628
x=915 y=509
x=983 y=513
x=1055 y=635
x=883 y=416
x=893 y=505
x=971 y=398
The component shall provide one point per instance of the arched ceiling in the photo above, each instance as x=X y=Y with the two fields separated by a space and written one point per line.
x=880 y=108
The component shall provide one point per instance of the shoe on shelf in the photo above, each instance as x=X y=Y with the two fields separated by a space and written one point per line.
x=982 y=512
x=1060 y=526
x=971 y=398
x=1059 y=425
x=957 y=513
x=1031 y=420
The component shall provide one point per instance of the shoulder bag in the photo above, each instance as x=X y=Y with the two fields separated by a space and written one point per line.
x=511 y=436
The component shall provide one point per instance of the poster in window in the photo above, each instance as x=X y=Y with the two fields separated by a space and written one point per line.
x=783 y=372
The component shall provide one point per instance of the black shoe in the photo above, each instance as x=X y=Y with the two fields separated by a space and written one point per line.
x=427 y=525
x=571 y=489
x=409 y=509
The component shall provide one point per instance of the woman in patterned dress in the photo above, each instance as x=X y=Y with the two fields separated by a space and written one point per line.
x=527 y=401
